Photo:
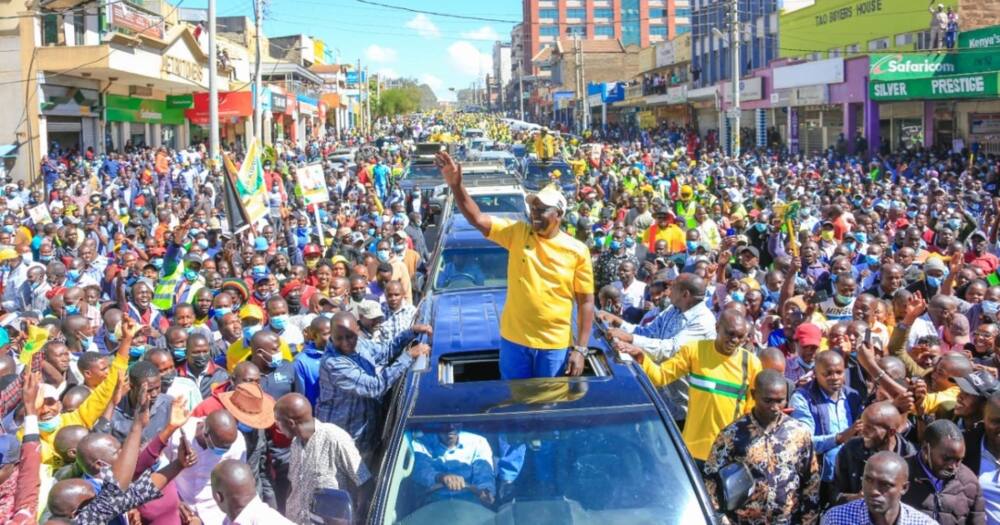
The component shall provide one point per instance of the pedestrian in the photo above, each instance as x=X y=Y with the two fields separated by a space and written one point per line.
x=881 y=431
x=941 y=486
x=886 y=479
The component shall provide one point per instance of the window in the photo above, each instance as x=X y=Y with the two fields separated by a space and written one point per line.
x=905 y=39
x=548 y=14
x=607 y=14
x=578 y=14
x=878 y=43
x=923 y=40
x=548 y=31
x=657 y=30
x=50 y=29
x=683 y=29
x=835 y=52
x=682 y=11
x=577 y=30
x=851 y=49
x=605 y=30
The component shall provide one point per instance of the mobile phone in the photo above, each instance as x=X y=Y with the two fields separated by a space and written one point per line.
x=868 y=336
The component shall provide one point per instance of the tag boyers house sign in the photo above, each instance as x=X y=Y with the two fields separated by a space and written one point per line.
x=980 y=85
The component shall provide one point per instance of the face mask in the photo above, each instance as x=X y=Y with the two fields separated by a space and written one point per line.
x=203 y=243
x=73 y=275
x=861 y=237
x=383 y=255
x=136 y=351
x=72 y=309
x=934 y=282
x=691 y=246
x=294 y=305
x=843 y=299
x=179 y=352
x=629 y=242
x=249 y=331
x=45 y=258
x=279 y=322
x=312 y=263
x=738 y=296
x=167 y=379
x=850 y=245
x=616 y=245
x=871 y=260
x=190 y=275
x=259 y=270
x=198 y=362
x=276 y=360
x=221 y=311
x=990 y=308
x=50 y=425
x=954 y=224
x=262 y=296
x=760 y=227
x=371 y=232
x=804 y=365
x=246 y=429
x=826 y=235
x=399 y=248
x=157 y=263
x=357 y=296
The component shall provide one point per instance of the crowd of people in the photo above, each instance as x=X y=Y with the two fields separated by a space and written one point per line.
x=830 y=322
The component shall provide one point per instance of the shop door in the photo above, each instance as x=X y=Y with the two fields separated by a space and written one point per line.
x=168 y=136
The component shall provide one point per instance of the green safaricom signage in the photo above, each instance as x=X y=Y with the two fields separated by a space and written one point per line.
x=899 y=66
x=980 y=85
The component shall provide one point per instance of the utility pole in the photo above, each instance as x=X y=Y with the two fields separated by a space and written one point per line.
x=734 y=43
x=520 y=89
x=361 y=114
x=580 y=88
x=213 y=88
x=258 y=90
x=368 y=106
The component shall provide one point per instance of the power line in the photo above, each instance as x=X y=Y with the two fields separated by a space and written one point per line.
x=436 y=13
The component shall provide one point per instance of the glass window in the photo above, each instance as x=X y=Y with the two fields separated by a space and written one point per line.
x=472 y=268
x=683 y=29
x=618 y=467
x=548 y=30
x=878 y=44
x=605 y=30
x=577 y=30
x=853 y=48
x=657 y=30
x=550 y=14
x=603 y=13
x=682 y=11
x=577 y=13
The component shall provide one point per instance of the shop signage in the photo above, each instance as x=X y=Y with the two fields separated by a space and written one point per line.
x=140 y=91
x=180 y=101
x=68 y=101
x=847 y=12
x=811 y=95
x=182 y=68
x=982 y=38
x=123 y=16
x=957 y=86
x=899 y=66
x=278 y=102
x=750 y=89
x=829 y=71
x=232 y=105
x=144 y=110
x=613 y=92
x=984 y=123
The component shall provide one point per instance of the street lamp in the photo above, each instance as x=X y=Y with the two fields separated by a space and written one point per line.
x=734 y=46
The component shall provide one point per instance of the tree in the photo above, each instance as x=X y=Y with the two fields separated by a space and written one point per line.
x=395 y=101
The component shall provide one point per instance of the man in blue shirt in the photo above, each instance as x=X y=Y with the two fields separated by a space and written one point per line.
x=307 y=362
x=356 y=373
x=453 y=464
x=832 y=410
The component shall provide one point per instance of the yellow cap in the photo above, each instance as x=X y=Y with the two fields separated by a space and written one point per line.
x=251 y=311
x=8 y=253
x=686 y=191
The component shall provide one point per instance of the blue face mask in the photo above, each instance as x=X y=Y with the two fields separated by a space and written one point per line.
x=691 y=246
x=244 y=428
x=990 y=308
x=861 y=237
x=249 y=331
x=136 y=351
x=50 y=425
x=616 y=245
x=73 y=275
x=276 y=360
x=843 y=299
x=760 y=227
x=217 y=313
x=45 y=258
x=399 y=248
x=371 y=232
x=738 y=296
x=203 y=243
x=72 y=309
x=871 y=260
x=934 y=282
x=157 y=263
x=259 y=270
x=179 y=352
x=190 y=275
x=954 y=224
x=629 y=242
x=279 y=322
x=383 y=255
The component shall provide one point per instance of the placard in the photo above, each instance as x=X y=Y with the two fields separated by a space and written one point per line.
x=40 y=215
x=313 y=184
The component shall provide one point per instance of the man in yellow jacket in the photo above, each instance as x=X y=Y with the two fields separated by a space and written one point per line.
x=719 y=372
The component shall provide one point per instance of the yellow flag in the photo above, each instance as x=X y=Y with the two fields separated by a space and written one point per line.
x=37 y=337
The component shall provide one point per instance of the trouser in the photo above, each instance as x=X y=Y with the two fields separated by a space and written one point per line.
x=522 y=362
x=949 y=39
x=937 y=37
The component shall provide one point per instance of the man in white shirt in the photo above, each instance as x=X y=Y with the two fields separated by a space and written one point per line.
x=235 y=491
x=633 y=291
x=214 y=439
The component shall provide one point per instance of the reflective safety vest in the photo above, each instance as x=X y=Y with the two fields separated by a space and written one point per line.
x=163 y=295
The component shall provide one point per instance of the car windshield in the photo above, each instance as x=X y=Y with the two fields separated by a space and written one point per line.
x=424 y=171
x=471 y=268
x=505 y=203
x=541 y=173
x=590 y=466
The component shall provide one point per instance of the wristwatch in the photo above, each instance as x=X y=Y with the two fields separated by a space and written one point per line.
x=583 y=350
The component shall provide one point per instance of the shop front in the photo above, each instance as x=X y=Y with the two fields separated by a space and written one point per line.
x=235 y=117
x=671 y=108
x=705 y=108
x=71 y=116
x=752 y=95
x=147 y=121
x=308 y=118
x=283 y=124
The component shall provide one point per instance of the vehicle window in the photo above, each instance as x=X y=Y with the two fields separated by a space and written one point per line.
x=459 y=269
x=600 y=467
x=511 y=203
x=425 y=171
x=542 y=173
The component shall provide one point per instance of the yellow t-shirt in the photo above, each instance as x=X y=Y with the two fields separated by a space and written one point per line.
x=673 y=234
x=941 y=403
x=714 y=380
x=239 y=352
x=542 y=277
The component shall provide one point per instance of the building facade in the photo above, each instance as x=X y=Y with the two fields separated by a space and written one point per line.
x=710 y=22
x=633 y=22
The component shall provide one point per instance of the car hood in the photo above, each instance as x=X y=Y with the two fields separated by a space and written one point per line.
x=468 y=320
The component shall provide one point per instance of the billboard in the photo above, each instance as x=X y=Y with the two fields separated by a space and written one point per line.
x=898 y=66
x=838 y=24
x=982 y=85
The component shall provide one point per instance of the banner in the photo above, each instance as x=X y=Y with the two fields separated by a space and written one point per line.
x=313 y=184
x=250 y=183
x=901 y=66
x=982 y=38
x=957 y=86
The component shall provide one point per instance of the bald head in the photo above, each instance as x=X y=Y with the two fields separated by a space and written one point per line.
x=828 y=358
x=293 y=414
x=889 y=463
x=233 y=486
x=222 y=428
x=246 y=372
x=67 y=496
x=97 y=450
x=67 y=439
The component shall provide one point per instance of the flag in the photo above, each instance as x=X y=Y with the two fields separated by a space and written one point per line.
x=236 y=214
x=250 y=184
x=37 y=337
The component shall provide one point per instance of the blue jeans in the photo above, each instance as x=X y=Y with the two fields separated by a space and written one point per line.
x=521 y=362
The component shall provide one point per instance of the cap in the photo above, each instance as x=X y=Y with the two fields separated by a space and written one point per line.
x=357 y=237
x=251 y=311
x=369 y=310
x=193 y=258
x=260 y=244
x=401 y=234
x=753 y=251
x=549 y=196
x=935 y=263
x=808 y=334
x=310 y=250
x=979 y=383
x=7 y=254
x=686 y=191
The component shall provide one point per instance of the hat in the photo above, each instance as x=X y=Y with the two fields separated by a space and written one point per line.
x=808 y=334
x=339 y=259
x=214 y=224
x=370 y=310
x=687 y=192
x=753 y=251
x=7 y=254
x=260 y=244
x=324 y=299
x=935 y=263
x=249 y=405
x=357 y=237
x=978 y=233
x=235 y=285
x=549 y=196
x=10 y=449
x=289 y=286
x=401 y=234
x=310 y=249
x=193 y=258
x=251 y=311
x=979 y=383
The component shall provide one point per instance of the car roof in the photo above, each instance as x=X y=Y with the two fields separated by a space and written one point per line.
x=500 y=189
x=466 y=321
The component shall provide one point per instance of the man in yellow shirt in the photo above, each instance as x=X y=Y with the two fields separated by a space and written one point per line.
x=252 y=319
x=547 y=272
x=719 y=372
x=665 y=229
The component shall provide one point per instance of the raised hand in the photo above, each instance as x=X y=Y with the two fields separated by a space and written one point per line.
x=29 y=392
x=915 y=307
x=179 y=413
x=451 y=170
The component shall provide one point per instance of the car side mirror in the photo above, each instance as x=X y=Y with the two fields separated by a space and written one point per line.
x=331 y=507
x=419 y=282
x=736 y=483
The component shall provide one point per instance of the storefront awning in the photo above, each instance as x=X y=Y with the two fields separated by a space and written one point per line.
x=232 y=104
x=8 y=151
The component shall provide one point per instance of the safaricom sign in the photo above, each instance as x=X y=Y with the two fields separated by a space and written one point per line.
x=922 y=67
x=898 y=66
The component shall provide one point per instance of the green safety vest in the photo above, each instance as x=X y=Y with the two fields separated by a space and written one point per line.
x=163 y=295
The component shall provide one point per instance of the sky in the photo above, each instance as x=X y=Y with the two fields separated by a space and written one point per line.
x=440 y=51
